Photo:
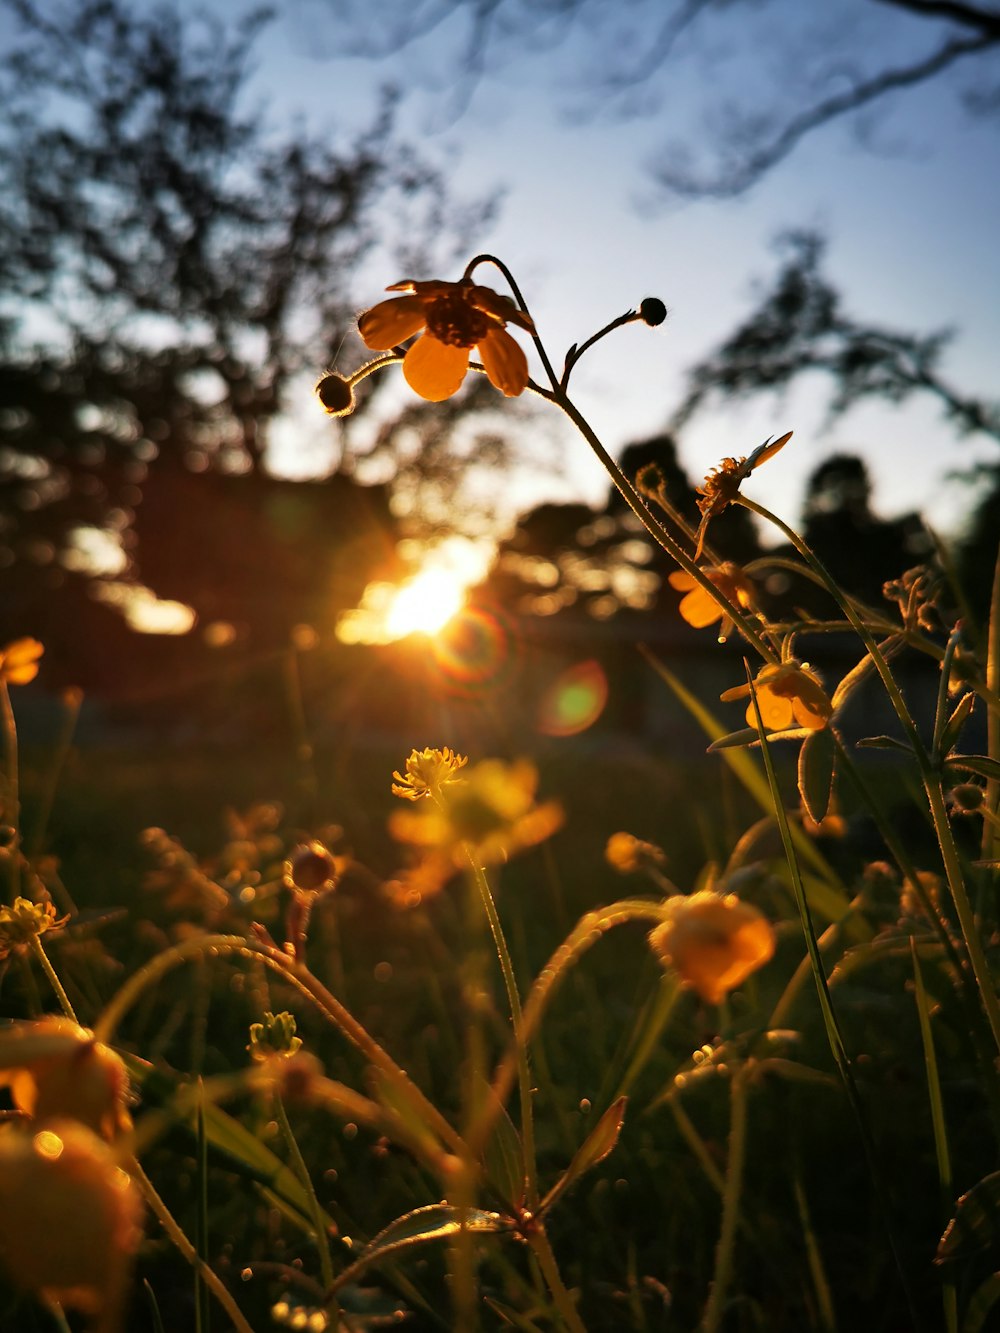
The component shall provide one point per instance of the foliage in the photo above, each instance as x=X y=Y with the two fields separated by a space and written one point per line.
x=768 y=1082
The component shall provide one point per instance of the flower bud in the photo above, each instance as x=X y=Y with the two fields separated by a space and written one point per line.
x=336 y=395
x=311 y=868
x=652 y=311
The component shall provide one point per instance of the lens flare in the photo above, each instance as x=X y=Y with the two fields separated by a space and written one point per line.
x=473 y=650
x=574 y=701
x=425 y=604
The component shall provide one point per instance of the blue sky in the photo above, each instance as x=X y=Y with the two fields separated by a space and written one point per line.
x=910 y=219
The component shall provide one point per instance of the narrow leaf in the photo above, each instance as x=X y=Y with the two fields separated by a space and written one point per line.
x=882 y=743
x=816 y=761
x=976 y=1223
x=422 y=1226
x=595 y=1147
x=980 y=764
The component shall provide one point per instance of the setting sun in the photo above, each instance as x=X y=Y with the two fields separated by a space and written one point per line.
x=425 y=604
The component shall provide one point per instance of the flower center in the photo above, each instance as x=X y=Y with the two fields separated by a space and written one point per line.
x=451 y=319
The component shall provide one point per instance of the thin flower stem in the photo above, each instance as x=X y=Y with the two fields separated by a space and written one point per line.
x=573 y=356
x=659 y=533
x=12 y=804
x=520 y=1040
x=588 y=930
x=54 y=982
x=303 y=980
x=539 y=1241
x=511 y=282
x=930 y=776
x=730 y=1201
x=302 y=1171
x=187 y=1251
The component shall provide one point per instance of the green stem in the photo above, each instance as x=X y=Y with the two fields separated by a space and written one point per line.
x=180 y=1241
x=588 y=930
x=54 y=982
x=539 y=1241
x=520 y=1040
x=303 y=981
x=730 y=1201
x=12 y=804
x=930 y=777
x=302 y=1171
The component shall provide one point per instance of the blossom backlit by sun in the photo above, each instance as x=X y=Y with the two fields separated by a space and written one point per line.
x=699 y=608
x=452 y=318
x=713 y=942
x=787 y=693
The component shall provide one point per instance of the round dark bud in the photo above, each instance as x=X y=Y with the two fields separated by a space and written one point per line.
x=310 y=868
x=336 y=395
x=652 y=311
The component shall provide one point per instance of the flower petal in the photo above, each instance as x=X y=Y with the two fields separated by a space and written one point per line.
x=500 y=307
x=775 y=711
x=682 y=581
x=504 y=362
x=699 y=609
x=392 y=322
x=435 y=370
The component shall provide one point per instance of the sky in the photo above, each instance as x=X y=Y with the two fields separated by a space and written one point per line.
x=909 y=215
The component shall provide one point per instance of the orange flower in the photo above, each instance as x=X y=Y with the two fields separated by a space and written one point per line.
x=699 y=608
x=54 y=1067
x=70 y=1219
x=785 y=693
x=454 y=317
x=491 y=812
x=713 y=942
x=722 y=485
x=19 y=661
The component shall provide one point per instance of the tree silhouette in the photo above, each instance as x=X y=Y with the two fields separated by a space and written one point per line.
x=174 y=272
x=829 y=74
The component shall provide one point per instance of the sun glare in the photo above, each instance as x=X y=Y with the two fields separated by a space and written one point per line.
x=425 y=604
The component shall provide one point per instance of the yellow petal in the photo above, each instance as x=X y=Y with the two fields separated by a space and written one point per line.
x=435 y=370
x=504 y=362
x=682 y=581
x=19 y=661
x=699 y=610
x=392 y=322
x=500 y=307
x=775 y=712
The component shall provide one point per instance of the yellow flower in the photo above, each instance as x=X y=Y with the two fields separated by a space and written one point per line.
x=25 y=921
x=454 y=318
x=713 y=942
x=722 y=485
x=274 y=1038
x=785 y=693
x=19 y=661
x=699 y=608
x=491 y=812
x=70 y=1219
x=54 y=1067
x=628 y=854
x=426 y=772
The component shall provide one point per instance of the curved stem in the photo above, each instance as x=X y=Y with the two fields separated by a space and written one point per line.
x=588 y=930
x=929 y=774
x=303 y=981
x=180 y=1241
x=520 y=1040
x=538 y=1239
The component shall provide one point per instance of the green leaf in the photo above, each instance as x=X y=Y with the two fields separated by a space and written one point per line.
x=735 y=740
x=980 y=764
x=423 y=1226
x=504 y=1156
x=595 y=1147
x=953 y=727
x=976 y=1223
x=882 y=743
x=395 y=1095
x=816 y=762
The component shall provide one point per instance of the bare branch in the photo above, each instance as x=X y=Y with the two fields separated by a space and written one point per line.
x=742 y=176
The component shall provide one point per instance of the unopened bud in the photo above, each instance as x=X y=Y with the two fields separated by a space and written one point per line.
x=652 y=311
x=336 y=395
x=311 y=868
